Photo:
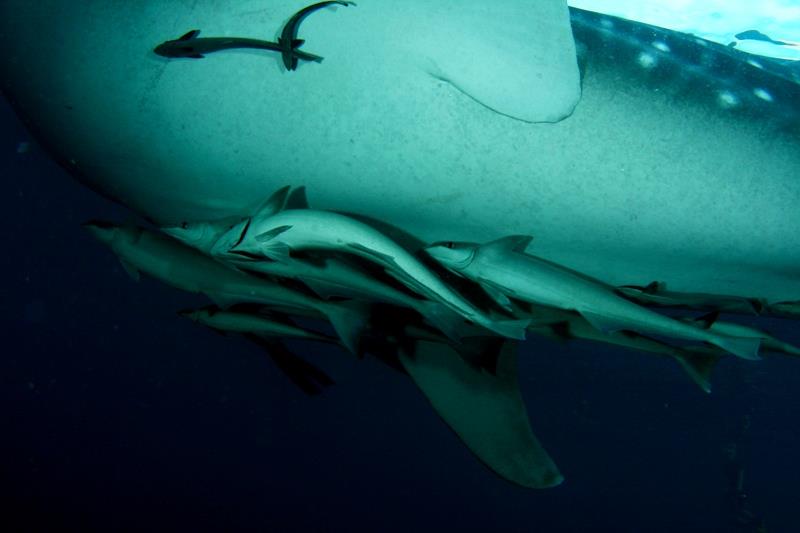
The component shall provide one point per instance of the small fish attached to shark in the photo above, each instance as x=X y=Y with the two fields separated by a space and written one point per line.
x=503 y=270
x=189 y=45
x=273 y=236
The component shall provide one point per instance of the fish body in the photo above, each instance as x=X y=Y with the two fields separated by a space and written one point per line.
x=503 y=269
x=191 y=46
x=309 y=229
x=182 y=267
x=657 y=294
x=335 y=277
x=732 y=329
x=241 y=322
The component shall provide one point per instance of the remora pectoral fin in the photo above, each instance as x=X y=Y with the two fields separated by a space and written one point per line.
x=272 y=205
x=486 y=411
x=130 y=269
x=496 y=292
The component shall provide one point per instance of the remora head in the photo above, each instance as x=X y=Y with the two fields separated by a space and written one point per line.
x=102 y=231
x=181 y=47
x=110 y=233
x=165 y=49
x=455 y=256
x=176 y=49
x=200 y=235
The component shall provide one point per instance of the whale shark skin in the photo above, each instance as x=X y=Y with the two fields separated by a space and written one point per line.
x=635 y=180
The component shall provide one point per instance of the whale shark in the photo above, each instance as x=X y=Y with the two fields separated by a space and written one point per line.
x=632 y=152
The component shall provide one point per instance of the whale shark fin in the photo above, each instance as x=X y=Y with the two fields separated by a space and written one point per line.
x=537 y=86
x=132 y=271
x=191 y=34
x=512 y=243
x=485 y=410
x=297 y=42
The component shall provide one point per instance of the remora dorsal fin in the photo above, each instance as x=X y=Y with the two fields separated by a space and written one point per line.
x=706 y=321
x=512 y=243
x=191 y=34
x=272 y=205
x=654 y=287
x=486 y=411
x=297 y=199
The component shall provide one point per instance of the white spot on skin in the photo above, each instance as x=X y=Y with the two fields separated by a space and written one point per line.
x=763 y=94
x=755 y=63
x=646 y=60
x=606 y=23
x=727 y=99
x=659 y=45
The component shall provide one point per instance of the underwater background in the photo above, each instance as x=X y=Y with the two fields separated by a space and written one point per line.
x=119 y=415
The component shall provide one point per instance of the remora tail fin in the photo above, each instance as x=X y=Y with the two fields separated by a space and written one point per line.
x=746 y=348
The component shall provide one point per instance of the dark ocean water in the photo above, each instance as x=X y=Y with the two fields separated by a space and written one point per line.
x=117 y=414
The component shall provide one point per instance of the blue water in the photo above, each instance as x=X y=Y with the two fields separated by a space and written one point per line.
x=118 y=415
